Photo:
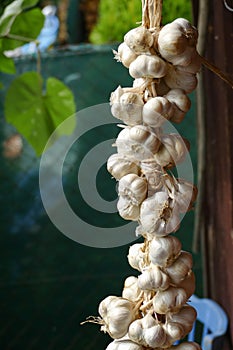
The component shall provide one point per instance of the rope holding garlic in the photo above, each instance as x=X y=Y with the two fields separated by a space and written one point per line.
x=153 y=311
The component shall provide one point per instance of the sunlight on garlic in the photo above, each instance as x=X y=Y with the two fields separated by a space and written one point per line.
x=153 y=311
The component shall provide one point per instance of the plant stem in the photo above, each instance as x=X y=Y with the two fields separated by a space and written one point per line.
x=151 y=13
x=217 y=71
x=18 y=37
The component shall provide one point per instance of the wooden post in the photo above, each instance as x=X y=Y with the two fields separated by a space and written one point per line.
x=218 y=191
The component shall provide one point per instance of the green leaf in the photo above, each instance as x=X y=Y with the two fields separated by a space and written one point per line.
x=26 y=25
x=59 y=98
x=7 y=64
x=11 y=12
x=34 y=114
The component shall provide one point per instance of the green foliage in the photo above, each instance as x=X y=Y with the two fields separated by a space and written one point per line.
x=118 y=17
x=34 y=113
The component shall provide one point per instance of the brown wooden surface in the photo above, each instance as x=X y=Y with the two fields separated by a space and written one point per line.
x=218 y=195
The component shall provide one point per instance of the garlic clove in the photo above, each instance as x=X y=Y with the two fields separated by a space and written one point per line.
x=194 y=65
x=118 y=166
x=170 y=300
x=153 y=278
x=148 y=66
x=124 y=344
x=137 y=142
x=177 y=78
x=117 y=314
x=131 y=291
x=127 y=210
x=180 y=99
x=164 y=250
x=188 y=284
x=125 y=55
x=137 y=256
x=180 y=268
x=139 y=39
x=185 y=196
x=133 y=187
x=156 y=111
x=186 y=346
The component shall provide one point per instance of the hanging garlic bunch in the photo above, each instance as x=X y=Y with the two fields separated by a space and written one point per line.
x=153 y=311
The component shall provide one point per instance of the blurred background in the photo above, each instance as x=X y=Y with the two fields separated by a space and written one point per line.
x=49 y=283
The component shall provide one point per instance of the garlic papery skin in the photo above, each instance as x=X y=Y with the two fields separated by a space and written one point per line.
x=118 y=166
x=180 y=99
x=148 y=66
x=137 y=142
x=139 y=40
x=154 y=175
x=177 y=78
x=131 y=291
x=180 y=267
x=157 y=217
x=188 y=284
x=170 y=300
x=172 y=151
x=186 y=346
x=164 y=250
x=147 y=332
x=127 y=210
x=137 y=256
x=153 y=278
x=125 y=55
x=185 y=196
x=178 y=325
x=156 y=111
x=124 y=344
x=133 y=187
x=117 y=314
x=194 y=65
x=129 y=108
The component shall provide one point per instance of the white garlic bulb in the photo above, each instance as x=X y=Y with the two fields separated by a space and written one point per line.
x=178 y=325
x=157 y=216
x=164 y=250
x=194 y=65
x=137 y=256
x=153 y=278
x=147 y=332
x=186 y=346
x=148 y=66
x=188 y=284
x=170 y=300
x=133 y=187
x=127 y=210
x=137 y=142
x=125 y=55
x=129 y=108
x=180 y=99
x=172 y=151
x=177 y=78
x=156 y=111
x=180 y=267
x=185 y=196
x=139 y=39
x=154 y=175
x=117 y=314
x=124 y=344
x=131 y=291
x=119 y=165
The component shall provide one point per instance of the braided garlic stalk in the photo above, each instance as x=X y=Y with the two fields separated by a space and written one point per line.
x=153 y=311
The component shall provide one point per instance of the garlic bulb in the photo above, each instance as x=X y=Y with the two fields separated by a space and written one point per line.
x=119 y=165
x=131 y=291
x=153 y=278
x=180 y=99
x=117 y=314
x=133 y=187
x=137 y=256
x=137 y=142
x=177 y=78
x=147 y=332
x=148 y=66
x=180 y=267
x=127 y=210
x=164 y=250
x=139 y=39
x=188 y=284
x=156 y=111
x=125 y=55
x=154 y=175
x=124 y=344
x=185 y=196
x=194 y=65
x=172 y=151
x=170 y=300
x=157 y=215
x=186 y=346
